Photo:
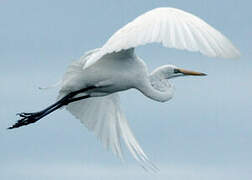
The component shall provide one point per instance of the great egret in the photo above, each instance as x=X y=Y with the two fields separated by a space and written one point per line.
x=89 y=88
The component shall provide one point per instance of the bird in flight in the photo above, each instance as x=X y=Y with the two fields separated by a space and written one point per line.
x=90 y=86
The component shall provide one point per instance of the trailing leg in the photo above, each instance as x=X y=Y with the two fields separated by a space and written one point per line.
x=28 y=118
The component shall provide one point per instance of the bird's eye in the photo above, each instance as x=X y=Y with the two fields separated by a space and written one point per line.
x=177 y=71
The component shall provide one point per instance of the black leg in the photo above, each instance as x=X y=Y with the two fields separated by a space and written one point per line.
x=78 y=98
x=28 y=118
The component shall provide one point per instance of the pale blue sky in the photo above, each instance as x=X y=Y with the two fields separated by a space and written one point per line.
x=204 y=132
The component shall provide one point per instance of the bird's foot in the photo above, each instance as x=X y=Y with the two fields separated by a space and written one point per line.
x=26 y=118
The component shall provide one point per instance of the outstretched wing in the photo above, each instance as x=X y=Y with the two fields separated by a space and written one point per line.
x=103 y=116
x=173 y=28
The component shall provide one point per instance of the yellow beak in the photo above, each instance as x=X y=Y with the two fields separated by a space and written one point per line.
x=191 y=73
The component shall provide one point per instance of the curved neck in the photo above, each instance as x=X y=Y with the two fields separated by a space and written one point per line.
x=154 y=93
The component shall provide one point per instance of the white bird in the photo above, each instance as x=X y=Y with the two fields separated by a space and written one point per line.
x=89 y=88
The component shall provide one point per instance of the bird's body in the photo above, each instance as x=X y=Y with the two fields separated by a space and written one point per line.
x=114 y=72
x=89 y=88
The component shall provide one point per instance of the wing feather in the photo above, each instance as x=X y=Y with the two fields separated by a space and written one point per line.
x=173 y=28
x=103 y=116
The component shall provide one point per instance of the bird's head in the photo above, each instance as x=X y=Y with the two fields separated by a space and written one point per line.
x=159 y=89
x=171 y=71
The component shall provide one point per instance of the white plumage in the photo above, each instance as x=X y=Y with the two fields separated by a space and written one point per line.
x=173 y=28
x=103 y=115
x=90 y=86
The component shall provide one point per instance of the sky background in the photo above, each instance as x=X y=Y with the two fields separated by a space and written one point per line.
x=203 y=133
